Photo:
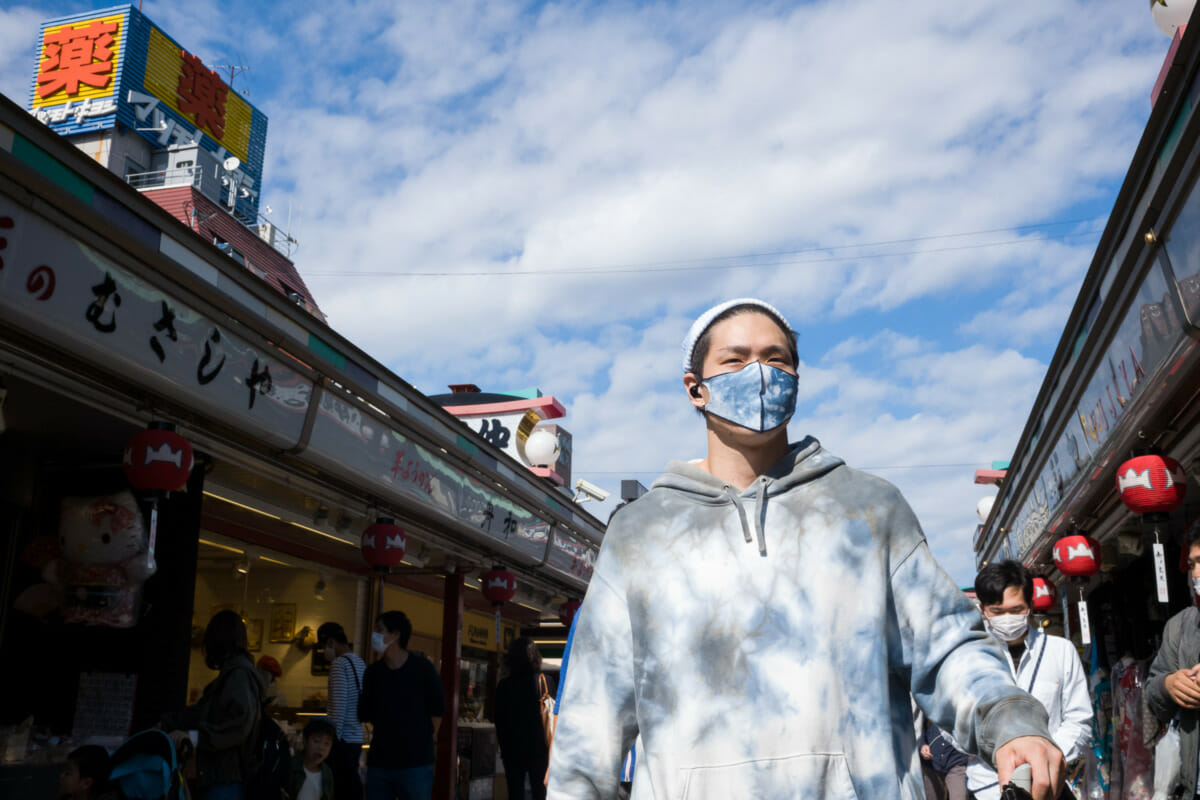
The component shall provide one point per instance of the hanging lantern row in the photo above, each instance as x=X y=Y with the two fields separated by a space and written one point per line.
x=1078 y=557
x=1045 y=595
x=383 y=544
x=567 y=611
x=1153 y=485
x=498 y=586
x=157 y=461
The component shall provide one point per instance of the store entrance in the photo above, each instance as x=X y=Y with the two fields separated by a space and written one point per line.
x=282 y=600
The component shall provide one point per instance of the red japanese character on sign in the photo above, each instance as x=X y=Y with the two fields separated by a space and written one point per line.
x=72 y=56
x=202 y=92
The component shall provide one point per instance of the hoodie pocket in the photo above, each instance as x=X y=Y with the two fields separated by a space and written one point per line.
x=804 y=777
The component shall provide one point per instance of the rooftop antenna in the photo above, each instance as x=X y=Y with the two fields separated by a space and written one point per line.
x=230 y=164
x=292 y=244
x=234 y=69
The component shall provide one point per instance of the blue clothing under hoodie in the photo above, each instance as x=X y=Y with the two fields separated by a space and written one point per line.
x=765 y=643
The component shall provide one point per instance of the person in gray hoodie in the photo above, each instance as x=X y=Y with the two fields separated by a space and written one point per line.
x=761 y=616
x=1173 y=685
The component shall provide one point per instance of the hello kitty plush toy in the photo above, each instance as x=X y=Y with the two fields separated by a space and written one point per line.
x=102 y=563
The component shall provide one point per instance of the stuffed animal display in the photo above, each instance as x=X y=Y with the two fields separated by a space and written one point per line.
x=102 y=563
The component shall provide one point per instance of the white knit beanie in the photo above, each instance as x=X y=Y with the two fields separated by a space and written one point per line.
x=704 y=320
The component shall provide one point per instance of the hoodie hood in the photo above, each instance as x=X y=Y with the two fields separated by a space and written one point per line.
x=804 y=461
x=241 y=662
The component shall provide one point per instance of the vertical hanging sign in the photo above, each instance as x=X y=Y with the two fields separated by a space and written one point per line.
x=1160 y=572
x=1085 y=631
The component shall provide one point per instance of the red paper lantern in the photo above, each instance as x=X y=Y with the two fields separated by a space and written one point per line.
x=383 y=544
x=1045 y=594
x=566 y=612
x=1077 y=556
x=499 y=585
x=1151 y=484
x=158 y=459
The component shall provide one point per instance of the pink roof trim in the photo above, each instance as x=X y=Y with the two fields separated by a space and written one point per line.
x=984 y=476
x=549 y=408
x=548 y=472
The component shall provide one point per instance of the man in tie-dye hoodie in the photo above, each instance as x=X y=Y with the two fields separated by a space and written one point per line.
x=762 y=616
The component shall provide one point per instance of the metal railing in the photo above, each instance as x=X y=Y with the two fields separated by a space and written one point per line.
x=263 y=227
x=179 y=176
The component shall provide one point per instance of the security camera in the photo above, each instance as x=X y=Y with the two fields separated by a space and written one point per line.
x=591 y=490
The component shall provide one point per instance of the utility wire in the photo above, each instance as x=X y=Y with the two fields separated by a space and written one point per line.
x=696 y=265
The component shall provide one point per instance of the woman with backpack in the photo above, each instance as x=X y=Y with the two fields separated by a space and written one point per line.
x=228 y=714
x=520 y=730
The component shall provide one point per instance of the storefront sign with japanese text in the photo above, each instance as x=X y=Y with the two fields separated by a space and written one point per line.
x=83 y=302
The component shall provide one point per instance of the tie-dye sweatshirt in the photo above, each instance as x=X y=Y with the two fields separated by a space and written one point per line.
x=765 y=643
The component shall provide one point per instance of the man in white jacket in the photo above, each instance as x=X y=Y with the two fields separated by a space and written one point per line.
x=1048 y=667
x=761 y=616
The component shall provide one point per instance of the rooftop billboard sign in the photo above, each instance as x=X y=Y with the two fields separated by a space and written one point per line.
x=113 y=67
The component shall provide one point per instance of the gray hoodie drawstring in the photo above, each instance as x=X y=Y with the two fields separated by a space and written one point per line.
x=732 y=495
x=761 y=512
x=760 y=508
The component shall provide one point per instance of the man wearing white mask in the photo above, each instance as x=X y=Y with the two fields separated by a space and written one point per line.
x=402 y=698
x=762 y=615
x=1173 y=686
x=1048 y=667
x=345 y=684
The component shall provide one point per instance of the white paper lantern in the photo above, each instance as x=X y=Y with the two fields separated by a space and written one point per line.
x=541 y=448
x=1170 y=14
x=984 y=507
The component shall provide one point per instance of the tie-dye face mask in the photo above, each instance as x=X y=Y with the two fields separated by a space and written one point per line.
x=757 y=396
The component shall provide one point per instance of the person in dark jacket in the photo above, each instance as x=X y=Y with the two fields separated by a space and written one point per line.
x=402 y=698
x=519 y=729
x=947 y=764
x=228 y=713
x=85 y=776
x=311 y=776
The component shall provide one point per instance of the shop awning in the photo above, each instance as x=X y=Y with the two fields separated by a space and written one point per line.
x=110 y=297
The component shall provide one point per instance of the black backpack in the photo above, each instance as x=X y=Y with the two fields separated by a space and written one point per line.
x=266 y=755
x=269 y=761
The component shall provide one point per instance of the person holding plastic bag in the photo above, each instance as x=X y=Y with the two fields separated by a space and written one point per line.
x=1173 y=684
x=1048 y=667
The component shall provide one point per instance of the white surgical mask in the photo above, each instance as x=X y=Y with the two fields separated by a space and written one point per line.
x=330 y=655
x=1196 y=586
x=377 y=642
x=1009 y=627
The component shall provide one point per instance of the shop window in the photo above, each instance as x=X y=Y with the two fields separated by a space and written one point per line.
x=282 y=602
x=293 y=295
x=229 y=250
x=1183 y=251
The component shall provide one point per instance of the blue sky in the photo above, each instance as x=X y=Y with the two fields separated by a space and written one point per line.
x=449 y=145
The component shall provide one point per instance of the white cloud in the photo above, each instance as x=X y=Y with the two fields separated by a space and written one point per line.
x=886 y=343
x=628 y=138
x=19 y=26
x=773 y=142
